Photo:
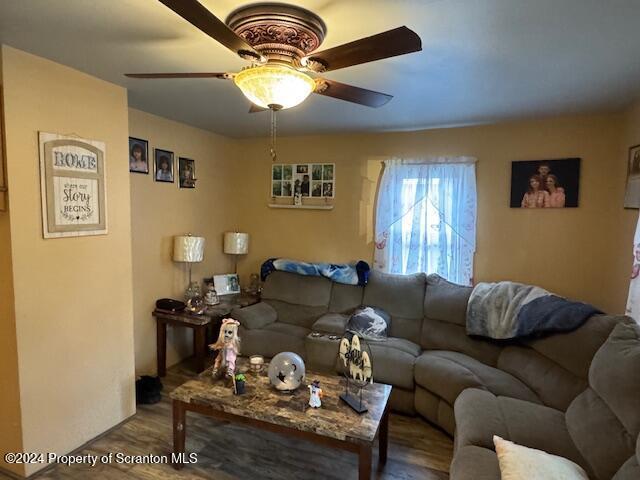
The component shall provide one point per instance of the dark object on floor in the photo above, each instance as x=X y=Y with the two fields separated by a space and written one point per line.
x=170 y=305
x=148 y=390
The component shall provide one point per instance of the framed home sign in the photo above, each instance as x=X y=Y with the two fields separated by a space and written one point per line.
x=72 y=183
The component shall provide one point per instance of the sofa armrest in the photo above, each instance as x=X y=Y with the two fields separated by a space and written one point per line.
x=255 y=316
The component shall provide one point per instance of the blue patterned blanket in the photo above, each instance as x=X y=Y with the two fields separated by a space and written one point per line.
x=357 y=274
x=505 y=310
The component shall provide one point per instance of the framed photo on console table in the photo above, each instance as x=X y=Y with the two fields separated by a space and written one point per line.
x=226 y=284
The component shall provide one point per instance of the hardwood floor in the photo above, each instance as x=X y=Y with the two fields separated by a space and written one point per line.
x=230 y=452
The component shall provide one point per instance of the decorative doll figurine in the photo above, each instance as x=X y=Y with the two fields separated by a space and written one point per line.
x=315 y=394
x=228 y=347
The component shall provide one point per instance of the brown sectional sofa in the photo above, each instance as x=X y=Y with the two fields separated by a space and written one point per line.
x=573 y=394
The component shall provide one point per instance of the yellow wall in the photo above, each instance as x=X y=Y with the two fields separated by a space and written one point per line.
x=574 y=252
x=73 y=296
x=10 y=425
x=161 y=210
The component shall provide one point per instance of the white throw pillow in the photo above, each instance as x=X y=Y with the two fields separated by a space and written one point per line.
x=523 y=463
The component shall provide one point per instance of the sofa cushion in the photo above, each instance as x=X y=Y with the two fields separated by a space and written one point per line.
x=297 y=289
x=554 y=385
x=344 y=298
x=475 y=463
x=301 y=315
x=273 y=339
x=447 y=374
x=518 y=462
x=402 y=296
x=604 y=420
x=393 y=361
x=446 y=301
x=435 y=409
x=331 y=323
x=441 y=335
x=480 y=415
x=255 y=316
x=560 y=347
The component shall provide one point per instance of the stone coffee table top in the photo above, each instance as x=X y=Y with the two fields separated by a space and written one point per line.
x=335 y=419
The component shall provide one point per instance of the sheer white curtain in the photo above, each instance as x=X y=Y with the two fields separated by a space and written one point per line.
x=426 y=217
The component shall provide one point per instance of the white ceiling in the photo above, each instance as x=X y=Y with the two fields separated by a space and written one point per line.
x=482 y=60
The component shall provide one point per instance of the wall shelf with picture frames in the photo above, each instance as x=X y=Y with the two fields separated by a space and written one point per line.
x=315 y=182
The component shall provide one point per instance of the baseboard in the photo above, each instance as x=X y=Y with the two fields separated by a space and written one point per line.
x=14 y=475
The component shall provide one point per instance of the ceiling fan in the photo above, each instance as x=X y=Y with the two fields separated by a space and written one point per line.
x=281 y=42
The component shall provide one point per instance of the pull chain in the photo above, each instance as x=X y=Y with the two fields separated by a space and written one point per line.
x=272 y=150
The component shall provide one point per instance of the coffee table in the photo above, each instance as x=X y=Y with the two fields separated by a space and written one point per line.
x=262 y=406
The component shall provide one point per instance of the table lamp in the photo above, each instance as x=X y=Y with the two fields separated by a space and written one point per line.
x=236 y=243
x=188 y=249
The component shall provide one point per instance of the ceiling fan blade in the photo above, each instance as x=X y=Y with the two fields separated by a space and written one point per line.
x=391 y=43
x=222 y=76
x=199 y=16
x=349 y=93
x=256 y=109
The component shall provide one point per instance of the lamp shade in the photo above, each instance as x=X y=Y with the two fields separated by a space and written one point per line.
x=236 y=243
x=187 y=248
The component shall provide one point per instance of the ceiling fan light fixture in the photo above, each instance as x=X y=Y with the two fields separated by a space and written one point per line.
x=274 y=85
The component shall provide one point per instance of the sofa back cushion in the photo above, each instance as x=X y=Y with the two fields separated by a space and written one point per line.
x=556 y=366
x=445 y=318
x=297 y=289
x=345 y=298
x=298 y=299
x=402 y=296
x=604 y=420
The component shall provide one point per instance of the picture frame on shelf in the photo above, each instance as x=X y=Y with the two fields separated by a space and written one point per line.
x=226 y=284
x=138 y=155
x=163 y=165
x=632 y=190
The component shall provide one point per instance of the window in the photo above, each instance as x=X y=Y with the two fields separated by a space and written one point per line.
x=426 y=218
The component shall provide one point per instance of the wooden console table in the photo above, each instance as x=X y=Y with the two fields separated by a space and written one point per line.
x=205 y=327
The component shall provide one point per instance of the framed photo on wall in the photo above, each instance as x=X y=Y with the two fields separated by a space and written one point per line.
x=138 y=155
x=632 y=191
x=309 y=179
x=163 y=162
x=186 y=173
x=73 y=186
x=545 y=183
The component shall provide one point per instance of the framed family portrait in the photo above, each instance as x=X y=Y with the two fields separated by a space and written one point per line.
x=163 y=162
x=308 y=179
x=186 y=173
x=632 y=191
x=138 y=155
x=545 y=183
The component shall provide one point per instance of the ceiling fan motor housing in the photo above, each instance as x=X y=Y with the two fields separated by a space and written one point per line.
x=281 y=33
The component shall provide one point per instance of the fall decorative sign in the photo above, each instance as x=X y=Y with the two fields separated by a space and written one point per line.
x=72 y=182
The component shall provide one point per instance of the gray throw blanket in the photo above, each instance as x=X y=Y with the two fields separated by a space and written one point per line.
x=507 y=310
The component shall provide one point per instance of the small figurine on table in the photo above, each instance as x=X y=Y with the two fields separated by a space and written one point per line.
x=315 y=394
x=228 y=347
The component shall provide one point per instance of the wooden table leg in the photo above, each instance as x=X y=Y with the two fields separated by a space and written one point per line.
x=199 y=339
x=161 y=347
x=383 y=439
x=364 y=463
x=179 y=434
